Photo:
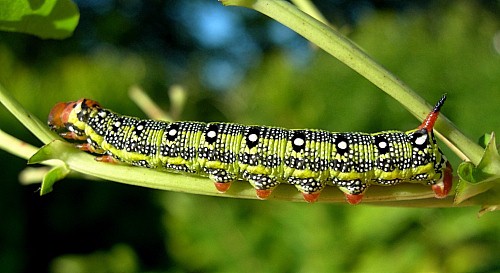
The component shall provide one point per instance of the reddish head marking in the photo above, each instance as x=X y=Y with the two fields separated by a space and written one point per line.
x=59 y=115
x=430 y=120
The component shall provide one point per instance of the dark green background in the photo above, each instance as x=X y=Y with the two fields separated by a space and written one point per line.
x=252 y=71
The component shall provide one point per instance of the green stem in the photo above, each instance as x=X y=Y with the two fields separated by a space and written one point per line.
x=15 y=146
x=38 y=128
x=334 y=43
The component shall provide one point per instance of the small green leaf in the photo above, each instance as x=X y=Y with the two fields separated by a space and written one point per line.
x=55 y=174
x=48 y=19
x=475 y=180
x=44 y=153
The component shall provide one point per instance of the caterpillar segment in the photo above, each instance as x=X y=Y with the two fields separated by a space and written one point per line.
x=262 y=155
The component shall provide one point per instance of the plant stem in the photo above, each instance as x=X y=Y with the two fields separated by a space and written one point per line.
x=38 y=128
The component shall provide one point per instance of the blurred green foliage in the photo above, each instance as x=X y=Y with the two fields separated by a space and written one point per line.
x=88 y=226
x=56 y=19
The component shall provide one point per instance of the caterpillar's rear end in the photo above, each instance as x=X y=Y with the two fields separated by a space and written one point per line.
x=264 y=156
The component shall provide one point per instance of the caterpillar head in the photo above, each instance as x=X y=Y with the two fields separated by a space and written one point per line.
x=68 y=118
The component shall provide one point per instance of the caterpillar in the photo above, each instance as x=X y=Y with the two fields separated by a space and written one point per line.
x=262 y=155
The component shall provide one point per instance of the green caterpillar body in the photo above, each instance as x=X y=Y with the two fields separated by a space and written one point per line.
x=264 y=156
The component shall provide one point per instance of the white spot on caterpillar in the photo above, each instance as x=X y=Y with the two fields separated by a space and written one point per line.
x=102 y=114
x=298 y=142
x=172 y=132
x=211 y=134
x=421 y=139
x=140 y=127
x=117 y=124
x=342 y=145
x=252 y=137
x=382 y=145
